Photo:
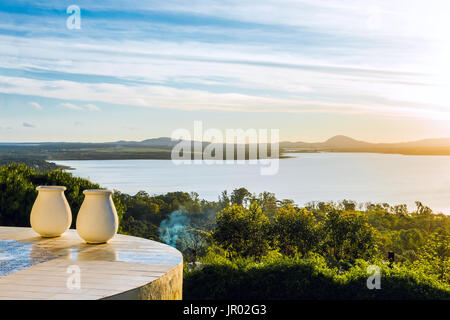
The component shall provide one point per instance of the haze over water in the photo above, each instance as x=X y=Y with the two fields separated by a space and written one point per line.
x=362 y=177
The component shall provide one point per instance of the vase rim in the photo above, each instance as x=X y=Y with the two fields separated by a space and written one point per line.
x=51 y=188
x=98 y=192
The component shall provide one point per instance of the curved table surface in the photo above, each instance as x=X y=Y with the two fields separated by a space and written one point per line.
x=32 y=267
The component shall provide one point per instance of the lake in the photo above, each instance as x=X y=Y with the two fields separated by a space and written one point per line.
x=362 y=177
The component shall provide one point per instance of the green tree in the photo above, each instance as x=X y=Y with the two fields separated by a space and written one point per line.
x=348 y=205
x=295 y=231
x=139 y=228
x=193 y=244
x=434 y=256
x=17 y=195
x=224 y=199
x=240 y=196
x=348 y=236
x=268 y=203
x=423 y=210
x=242 y=231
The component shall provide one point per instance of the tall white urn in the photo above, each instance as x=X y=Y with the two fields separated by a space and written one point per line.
x=51 y=215
x=97 y=221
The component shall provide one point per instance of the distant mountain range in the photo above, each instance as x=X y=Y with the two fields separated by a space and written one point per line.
x=346 y=144
x=160 y=148
x=338 y=143
x=155 y=142
x=344 y=141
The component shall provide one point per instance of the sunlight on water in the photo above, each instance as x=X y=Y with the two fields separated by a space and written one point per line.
x=394 y=179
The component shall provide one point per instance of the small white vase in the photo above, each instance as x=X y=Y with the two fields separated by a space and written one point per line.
x=97 y=221
x=51 y=215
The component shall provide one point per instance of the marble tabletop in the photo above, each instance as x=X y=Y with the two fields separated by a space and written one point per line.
x=32 y=267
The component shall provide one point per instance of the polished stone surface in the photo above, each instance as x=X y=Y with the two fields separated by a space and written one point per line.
x=32 y=267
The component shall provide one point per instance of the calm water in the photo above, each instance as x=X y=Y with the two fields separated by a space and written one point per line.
x=362 y=177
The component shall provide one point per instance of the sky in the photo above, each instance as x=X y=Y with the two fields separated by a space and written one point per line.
x=374 y=70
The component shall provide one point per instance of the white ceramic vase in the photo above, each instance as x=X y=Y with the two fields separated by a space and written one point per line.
x=97 y=221
x=51 y=215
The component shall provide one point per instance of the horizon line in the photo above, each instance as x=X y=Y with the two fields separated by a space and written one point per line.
x=162 y=137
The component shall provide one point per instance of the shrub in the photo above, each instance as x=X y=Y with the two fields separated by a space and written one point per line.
x=305 y=279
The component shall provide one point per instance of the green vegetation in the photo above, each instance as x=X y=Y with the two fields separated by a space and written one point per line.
x=38 y=165
x=323 y=251
x=82 y=151
x=247 y=246
x=304 y=277
x=150 y=149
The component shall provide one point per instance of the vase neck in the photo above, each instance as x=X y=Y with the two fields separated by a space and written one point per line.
x=49 y=189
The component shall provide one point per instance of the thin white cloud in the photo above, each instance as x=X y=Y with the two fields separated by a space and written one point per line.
x=71 y=106
x=368 y=101
x=92 y=107
x=36 y=105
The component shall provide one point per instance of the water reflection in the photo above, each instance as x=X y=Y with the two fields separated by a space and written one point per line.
x=148 y=258
x=19 y=255
x=41 y=253
x=97 y=253
x=14 y=256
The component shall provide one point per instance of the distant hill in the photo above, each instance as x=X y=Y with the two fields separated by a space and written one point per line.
x=334 y=142
x=155 y=142
x=346 y=144
x=343 y=141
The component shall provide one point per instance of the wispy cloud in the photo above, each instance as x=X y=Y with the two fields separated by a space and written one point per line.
x=92 y=107
x=384 y=58
x=36 y=105
x=71 y=106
